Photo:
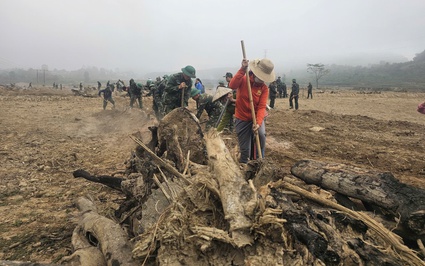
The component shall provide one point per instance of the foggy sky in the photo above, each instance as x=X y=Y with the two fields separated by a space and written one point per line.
x=165 y=35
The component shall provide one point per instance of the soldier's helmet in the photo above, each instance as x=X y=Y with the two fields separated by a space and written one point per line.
x=140 y=85
x=194 y=92
x=228 y=75
x=189 y=71
x=294 y=80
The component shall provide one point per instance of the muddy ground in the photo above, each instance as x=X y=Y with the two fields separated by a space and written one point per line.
x=46 y=134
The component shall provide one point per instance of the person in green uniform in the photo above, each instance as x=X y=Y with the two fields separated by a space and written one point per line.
x=178 y=88
x=227 y=119
x=211 y=104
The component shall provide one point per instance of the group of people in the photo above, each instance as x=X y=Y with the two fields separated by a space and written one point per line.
x=275 y=92
x=241 y=104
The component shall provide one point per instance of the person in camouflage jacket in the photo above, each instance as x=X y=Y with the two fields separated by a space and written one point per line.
x=178 y=85
x=157 y=93
x=205 y=102
x=227 y=119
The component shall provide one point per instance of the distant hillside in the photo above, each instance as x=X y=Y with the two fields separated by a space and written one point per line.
x=405 y=75
x=410 y=74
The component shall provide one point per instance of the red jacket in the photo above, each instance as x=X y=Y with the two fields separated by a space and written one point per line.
x=260 y=94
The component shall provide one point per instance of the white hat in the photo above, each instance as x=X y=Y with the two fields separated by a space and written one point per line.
x=220 y=92
x=263 y=69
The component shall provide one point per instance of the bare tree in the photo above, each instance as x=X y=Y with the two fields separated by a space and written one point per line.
x=318 y=70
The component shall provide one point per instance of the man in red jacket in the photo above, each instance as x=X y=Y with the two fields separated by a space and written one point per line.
x=260 y=71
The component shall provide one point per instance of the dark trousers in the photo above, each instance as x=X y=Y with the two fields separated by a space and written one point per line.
x=296 y=102
x=309 y=94
x=272 y=100
x=134 y=98
x=246 y=137
x=106 y=100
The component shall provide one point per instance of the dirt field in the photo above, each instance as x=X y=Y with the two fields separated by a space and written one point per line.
x=46 y=134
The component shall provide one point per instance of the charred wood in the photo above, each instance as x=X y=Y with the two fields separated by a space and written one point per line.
x=110 y=181
x=394 y=198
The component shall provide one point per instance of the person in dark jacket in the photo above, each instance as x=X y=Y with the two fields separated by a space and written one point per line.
x=107 y=97
x=309 y=91
x=294 y=94
x=135 y=93
x=279 y=85
x=272 y=93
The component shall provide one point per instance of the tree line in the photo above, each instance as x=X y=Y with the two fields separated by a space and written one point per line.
x=407 y=75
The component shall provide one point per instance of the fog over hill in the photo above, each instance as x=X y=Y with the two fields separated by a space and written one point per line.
x=143 y=37
x=381 y=70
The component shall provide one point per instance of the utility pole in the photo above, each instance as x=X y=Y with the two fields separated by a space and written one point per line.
x=45 y=68
x=44 y=76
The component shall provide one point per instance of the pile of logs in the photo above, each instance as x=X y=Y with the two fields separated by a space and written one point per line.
x=189 y=203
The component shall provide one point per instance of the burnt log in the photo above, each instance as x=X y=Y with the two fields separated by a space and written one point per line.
x=378 y=230
x=401 y=201
x=110 y=181
x=371 y=254
x=214 y=214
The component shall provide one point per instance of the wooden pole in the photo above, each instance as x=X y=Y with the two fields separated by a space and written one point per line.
x=222 y=113
x=251 y=102
x=182 y=100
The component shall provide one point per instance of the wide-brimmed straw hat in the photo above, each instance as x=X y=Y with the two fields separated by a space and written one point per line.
x=263 y=69
x=220 y=92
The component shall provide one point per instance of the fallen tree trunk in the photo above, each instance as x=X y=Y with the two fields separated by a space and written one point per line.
x=105 y=235
x=210 y=214
x=402 y=201
x=234 y=191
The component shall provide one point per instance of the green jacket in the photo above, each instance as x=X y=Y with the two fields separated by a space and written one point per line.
x=172 y=95
x=213 y=109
